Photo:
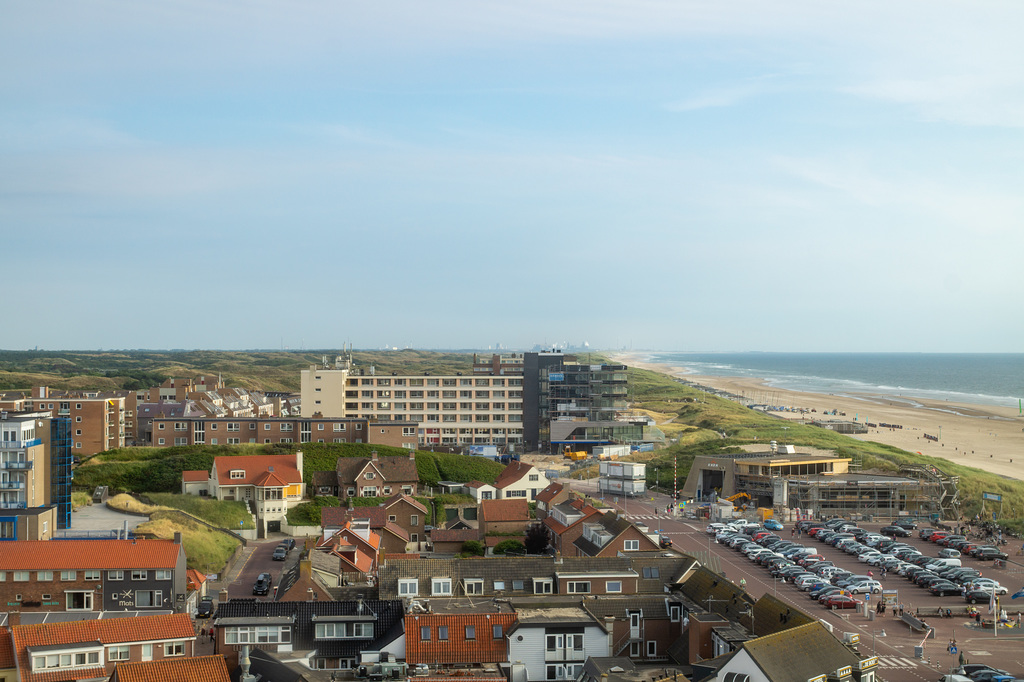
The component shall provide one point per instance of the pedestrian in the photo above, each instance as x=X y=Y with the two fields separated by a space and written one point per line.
x=202 y=633
x=211 y=635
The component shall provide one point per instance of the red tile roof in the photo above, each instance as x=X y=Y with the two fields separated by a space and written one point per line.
x=402 y=497
x=285 y=468
x=54 y=555
x=6 y=649
x=194 y=579
x=195 y=476
x=512 y=473
x=197 y=669
x=107 y=631
x=550 y=492
x=476 y=484
x=459 y=535
x=514 y=509
x=483 y=648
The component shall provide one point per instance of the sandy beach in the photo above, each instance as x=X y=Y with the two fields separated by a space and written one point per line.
x=982 y=436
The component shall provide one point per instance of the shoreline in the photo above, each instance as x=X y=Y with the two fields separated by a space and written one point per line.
x=982 y=436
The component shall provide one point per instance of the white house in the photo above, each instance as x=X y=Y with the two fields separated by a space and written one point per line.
x=553 y=643
x=519 y=480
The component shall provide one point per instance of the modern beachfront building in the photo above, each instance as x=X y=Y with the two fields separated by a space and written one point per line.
x=820 y=484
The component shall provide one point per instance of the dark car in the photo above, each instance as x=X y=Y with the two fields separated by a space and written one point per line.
x=895 y=531
x=263 y=583
x=280 y=553
x=909 y=525
x=287 y=543
x=988 y=553
x=978 y=597
x=205 y=609
x=943 y=588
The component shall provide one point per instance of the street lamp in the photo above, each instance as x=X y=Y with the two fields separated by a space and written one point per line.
x=750 y=612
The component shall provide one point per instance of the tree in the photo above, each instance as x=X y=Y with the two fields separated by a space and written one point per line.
x=536 y=539
x=473 y=548
x=510 y=547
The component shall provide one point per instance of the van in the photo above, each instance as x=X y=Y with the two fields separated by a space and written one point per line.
x=946 y=562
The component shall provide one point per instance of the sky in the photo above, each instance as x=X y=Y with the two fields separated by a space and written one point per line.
x=678 y=175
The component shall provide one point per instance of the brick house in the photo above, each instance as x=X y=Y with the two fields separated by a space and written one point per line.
x=610 y=534
x=399 y=521
x=94 y=575
x=358 y=548
x=89 y=649
x=553 y=495
x=498 y=518
x=450 y=541
x=643 y=627
x=564 y=524
x=376 y=476
x=465 y=639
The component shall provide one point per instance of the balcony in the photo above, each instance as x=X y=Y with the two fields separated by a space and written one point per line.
x=19 y=444
x=565 y=655
x=12 y=505
x=12 y=485
x=20 y=466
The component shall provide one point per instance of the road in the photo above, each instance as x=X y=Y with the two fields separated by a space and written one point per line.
x=891 y=640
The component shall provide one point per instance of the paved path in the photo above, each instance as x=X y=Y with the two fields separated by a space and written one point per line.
x=99 y=517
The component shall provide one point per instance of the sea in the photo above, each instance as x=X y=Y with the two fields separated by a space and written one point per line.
x=974 y=378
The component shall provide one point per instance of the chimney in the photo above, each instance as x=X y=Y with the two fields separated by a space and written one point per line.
x=373 y=455
x=13 y=618
x=305 y=569
x=177 y=538
x=609 y=623
x=412 y=455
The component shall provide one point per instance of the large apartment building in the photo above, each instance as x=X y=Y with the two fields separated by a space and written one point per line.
x=35 y=475
x=97 y=419
x=444 y=410
x=193 y=430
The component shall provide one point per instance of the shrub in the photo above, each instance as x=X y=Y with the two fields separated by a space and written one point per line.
x=473 y=548
x=510 y=547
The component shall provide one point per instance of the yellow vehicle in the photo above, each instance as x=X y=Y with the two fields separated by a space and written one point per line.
x=575 y=455
x=738 y=496
x=765 y=513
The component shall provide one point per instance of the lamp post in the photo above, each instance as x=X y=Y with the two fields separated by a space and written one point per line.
x=750 y=612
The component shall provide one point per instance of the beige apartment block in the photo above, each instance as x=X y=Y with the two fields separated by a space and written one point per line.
x=98 y=420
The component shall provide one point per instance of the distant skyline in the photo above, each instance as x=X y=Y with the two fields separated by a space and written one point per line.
x=673 y=175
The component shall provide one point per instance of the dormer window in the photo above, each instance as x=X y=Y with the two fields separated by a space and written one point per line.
x=370 y=476
x=237 y=473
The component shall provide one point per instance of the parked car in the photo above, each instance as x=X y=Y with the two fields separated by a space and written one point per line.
x=772 y=524
x=989 y=553
x=895 y=531
x=944 y=587
x=280 y=553
x=872 y=586
x=978 y=597
x=664 y=541
x=287 y=543
x=205 y=608
x=906 y=523
x=263 y=583
x=841 y=601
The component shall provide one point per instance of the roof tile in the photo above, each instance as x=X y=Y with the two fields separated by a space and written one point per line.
x=196 y=669
x=88 y=554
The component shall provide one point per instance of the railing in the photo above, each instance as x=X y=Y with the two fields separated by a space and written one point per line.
x=565 y=655
x=12 y=505
x=12 y=485
x=23 y=466
x=19 y=444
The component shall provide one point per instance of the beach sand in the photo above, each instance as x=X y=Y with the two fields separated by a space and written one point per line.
x=981 y=436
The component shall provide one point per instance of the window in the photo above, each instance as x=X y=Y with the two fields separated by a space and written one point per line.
x=499 y=585
x=675 y=612
x=118 y=653
x=79 y=600
x=68 y=575
x=631 y=545
x=408 y=587
x=237 y=473
x=496 y=632
x=92 y=575
x=651 y=572
x=470 y=632
x=43 y=576
x=543 y=585
x=613 y=586
x=441 y=587
x=515 y=493
x=115 y=575
x=652 y=648
x=414 y=520
x=174 y=649
x=578 y=587
x=258 y=634
x=534 y=477
x=148 y=598
x=163 y=575
x=424 y=634
x=344 y=630
x=21 y=576
x=140 y=575
x=442 y=633
x=517 y=584
x=474 y=586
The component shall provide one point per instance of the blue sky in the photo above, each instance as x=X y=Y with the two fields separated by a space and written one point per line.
x=799 y=176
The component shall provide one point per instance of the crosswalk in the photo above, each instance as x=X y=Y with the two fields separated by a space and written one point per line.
x=649 y=517
x=896 y=662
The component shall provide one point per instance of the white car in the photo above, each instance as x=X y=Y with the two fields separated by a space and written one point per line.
x=986 y=584
x=714 y=528
x=865 y=586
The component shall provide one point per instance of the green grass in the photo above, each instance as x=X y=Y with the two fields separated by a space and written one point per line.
x=206 y=550
x=230 y=514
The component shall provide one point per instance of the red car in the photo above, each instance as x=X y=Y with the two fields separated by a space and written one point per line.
x=841 y=601
x=937 y=535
